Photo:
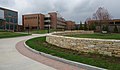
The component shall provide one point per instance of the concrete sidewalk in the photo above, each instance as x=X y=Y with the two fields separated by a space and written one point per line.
x=11 y=59
x=47 y=61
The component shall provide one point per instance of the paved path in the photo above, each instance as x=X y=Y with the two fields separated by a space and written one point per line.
x=53 y=63
x=11 y=59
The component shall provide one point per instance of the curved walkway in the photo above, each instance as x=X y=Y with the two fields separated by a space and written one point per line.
x=47 y=61
x=11 y=59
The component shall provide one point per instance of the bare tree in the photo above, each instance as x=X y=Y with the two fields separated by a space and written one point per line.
x=102 y=16
x=94 y=17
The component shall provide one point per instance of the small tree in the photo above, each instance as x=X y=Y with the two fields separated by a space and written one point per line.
x=81 y=27
x=85 y=26
x=105 y=28
x=102 y=16
x=93 y=27
x=116 y=29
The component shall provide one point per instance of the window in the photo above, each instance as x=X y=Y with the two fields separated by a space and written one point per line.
x=117 y=22
x=30 y=18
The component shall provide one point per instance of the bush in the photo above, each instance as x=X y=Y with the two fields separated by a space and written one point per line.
x=85 y=26
x=81 y=27
x=92 y=27
x=105 y=28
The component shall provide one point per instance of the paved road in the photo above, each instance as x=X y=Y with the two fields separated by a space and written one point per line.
x=11 y=59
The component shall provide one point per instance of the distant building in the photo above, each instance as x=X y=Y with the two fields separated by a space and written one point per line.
x=33 y=21
x=43 y=21
x=57 y=21
x=8 y=19
x=110 y=23
x=47 y=21
x=70 y=25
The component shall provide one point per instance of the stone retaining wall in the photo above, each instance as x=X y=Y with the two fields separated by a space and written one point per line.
x=74 y=32
x=101 y=46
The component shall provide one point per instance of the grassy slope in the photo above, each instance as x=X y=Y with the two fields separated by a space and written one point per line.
x=41 y=31
x=10 y=34
x=98 y=36
x=39 y=44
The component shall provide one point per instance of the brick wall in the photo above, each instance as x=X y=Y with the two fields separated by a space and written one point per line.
x=34 y=20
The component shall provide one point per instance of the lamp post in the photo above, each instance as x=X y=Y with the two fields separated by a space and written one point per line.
x=28 y=28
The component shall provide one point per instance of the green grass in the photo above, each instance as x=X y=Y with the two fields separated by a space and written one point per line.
x=97 y=36
x=4 y=34
x=40 y=31
x=107 y=62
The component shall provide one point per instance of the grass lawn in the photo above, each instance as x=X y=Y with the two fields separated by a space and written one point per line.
x=11 y=34
x=97 y=36
x=102 y=61
x=40 y=31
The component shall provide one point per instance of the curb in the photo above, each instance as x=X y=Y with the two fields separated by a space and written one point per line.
x=81 y=65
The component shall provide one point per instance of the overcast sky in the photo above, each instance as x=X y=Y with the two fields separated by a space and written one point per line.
x=76 y=10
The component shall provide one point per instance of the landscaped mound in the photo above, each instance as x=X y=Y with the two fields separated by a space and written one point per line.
x=107 y=62
x=97 y=36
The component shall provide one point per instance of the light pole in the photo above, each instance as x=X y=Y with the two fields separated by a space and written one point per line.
x=28 y=28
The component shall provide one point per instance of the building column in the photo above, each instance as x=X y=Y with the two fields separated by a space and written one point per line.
x=13 y=27
x=9 y=26
x=5 y=25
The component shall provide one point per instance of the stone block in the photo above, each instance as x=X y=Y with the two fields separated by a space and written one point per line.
x=107 y=47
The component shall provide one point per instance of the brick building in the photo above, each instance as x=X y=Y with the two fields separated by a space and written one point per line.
x=57 y=21
x=33 y=21
x=110 y=24
x=8 y=19
x=70 y=25
x=43 y=21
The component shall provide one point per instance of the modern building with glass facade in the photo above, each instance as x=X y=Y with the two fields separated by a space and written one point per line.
x=8 y=19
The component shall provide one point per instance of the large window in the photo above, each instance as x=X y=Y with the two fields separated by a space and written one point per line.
x=1 y=14
x=117 y=22
x=7 y=19
x=15 y=20
x=11 y=16
x=11 y=13
x=30 y=18
x=47 y=18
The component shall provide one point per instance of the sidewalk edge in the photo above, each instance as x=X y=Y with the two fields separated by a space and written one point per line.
x=88 y=67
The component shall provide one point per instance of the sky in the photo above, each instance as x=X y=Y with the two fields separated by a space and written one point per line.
x=75 y=10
